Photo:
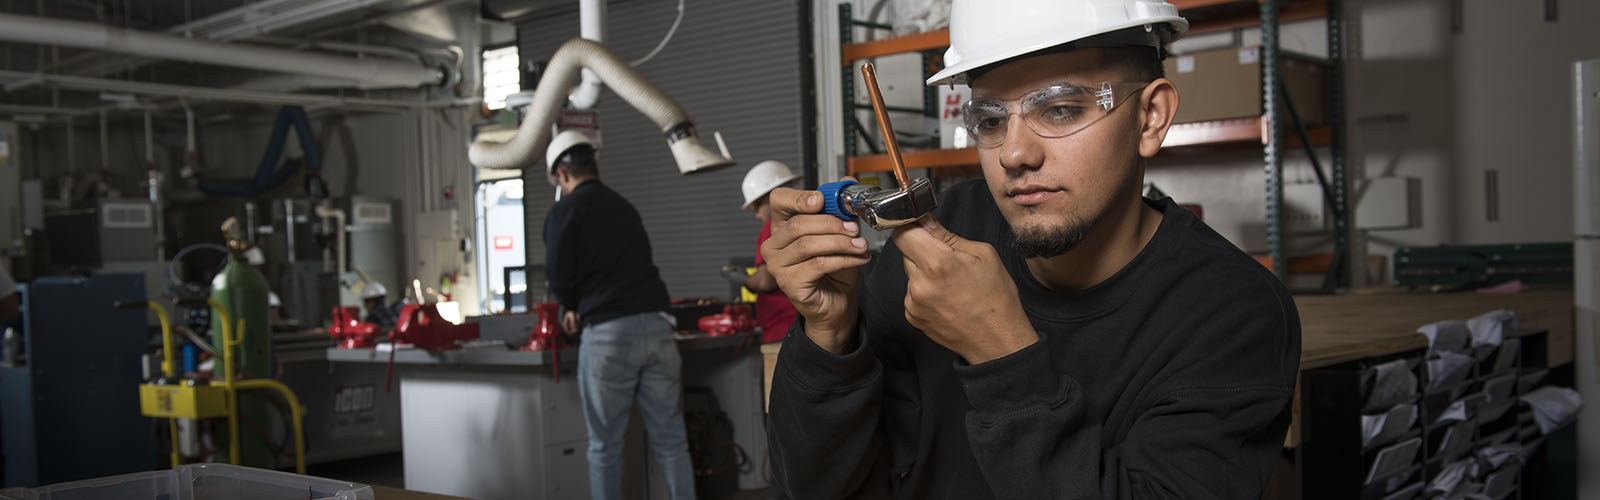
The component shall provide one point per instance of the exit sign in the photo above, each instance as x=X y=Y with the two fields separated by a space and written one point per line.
x=503 y=242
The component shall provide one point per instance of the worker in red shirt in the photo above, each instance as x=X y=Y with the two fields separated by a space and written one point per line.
x=774 y=312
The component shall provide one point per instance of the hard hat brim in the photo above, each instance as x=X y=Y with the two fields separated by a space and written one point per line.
x=957 y=73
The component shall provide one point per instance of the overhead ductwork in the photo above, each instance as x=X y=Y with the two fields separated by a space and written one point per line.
x=527 y=147
x=592 y=27
x=364 y=73
x=266 y=17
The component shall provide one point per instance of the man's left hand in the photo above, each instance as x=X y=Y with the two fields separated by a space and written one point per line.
x=959 y=293
x=569 y=323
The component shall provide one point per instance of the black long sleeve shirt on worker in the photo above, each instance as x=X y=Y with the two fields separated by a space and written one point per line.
x=597 y=256
x=1171 y=379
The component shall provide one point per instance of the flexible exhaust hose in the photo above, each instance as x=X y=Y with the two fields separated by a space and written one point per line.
x=269 y=174
x=533 y=135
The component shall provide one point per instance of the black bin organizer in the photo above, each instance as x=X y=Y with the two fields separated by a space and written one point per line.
x=1399 y=465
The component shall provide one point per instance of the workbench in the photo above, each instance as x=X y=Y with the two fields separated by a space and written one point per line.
x=487 y=422
x=1344 y=338
x=1339 y=328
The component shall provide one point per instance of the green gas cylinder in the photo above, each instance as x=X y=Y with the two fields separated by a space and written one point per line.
x=243 y=290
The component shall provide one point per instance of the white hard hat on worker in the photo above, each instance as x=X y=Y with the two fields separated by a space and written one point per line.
x=763 y=178
x=374 y=290
x=562 y=142
x=986 y=32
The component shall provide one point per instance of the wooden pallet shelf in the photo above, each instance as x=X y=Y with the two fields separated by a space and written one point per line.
x=1209 y=16
x=927 y=158
x=1201 y=135
x=928 y=40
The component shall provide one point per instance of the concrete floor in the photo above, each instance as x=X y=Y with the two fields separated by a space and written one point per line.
x=389 y=470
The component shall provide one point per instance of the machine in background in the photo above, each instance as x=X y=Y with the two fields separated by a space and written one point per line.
x=70 y=408
x=348 y=415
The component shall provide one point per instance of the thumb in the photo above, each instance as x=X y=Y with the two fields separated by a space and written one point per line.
x=938 y=231
x=925 y=240
x=955 y=241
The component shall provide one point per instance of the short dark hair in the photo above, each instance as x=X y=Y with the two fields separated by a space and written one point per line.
x=579 y=161
x=1137 y=64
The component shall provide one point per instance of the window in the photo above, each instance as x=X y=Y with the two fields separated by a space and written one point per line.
x=501 y=77
x=500 y=227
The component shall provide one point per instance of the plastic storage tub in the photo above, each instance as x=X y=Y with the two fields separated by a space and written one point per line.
x=198 y=482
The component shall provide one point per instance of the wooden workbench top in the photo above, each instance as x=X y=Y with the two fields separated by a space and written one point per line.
x=1340 y=328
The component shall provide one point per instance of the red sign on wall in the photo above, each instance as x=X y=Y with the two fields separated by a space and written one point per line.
x=503 y=242
x=579 y=119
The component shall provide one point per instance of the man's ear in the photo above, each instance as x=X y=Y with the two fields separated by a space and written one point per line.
x=1157 y=105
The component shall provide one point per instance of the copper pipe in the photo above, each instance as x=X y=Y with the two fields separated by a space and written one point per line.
x=889 y=141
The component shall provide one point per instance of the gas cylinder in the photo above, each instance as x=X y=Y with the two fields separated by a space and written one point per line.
x=243 y=290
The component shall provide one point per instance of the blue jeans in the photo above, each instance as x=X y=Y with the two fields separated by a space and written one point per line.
x=620 y=361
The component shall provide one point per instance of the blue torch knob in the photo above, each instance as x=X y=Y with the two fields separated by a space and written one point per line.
x=831 y=204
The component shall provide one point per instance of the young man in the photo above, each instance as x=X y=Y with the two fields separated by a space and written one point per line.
x=1048 y=333
x=773 y=311
x=598 y=263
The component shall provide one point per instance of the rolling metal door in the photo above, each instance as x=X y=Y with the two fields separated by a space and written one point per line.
x=736 y=67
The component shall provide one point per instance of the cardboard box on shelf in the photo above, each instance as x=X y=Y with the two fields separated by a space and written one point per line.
x=1226 y=83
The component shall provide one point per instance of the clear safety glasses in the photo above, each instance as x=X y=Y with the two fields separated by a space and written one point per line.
x=1051 y=112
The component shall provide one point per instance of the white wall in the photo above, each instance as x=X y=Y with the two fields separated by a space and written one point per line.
x=1513 y=78
x=1440 y=106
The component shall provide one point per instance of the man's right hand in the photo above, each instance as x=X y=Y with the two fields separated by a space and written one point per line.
x=816 y=259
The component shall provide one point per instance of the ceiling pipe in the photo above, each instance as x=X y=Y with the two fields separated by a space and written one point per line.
x=366 y=73
x=207 y=93
x=234 y=24
x=22 y=109
x=592 y=27
x=265 y=17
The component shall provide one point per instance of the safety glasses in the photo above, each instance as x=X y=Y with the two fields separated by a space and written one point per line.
x=1051 y=112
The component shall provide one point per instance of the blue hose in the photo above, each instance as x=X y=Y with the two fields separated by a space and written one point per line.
x=268 y=175
x=191 y=359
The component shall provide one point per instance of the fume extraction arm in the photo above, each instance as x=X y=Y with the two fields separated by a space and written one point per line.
x=527 y=147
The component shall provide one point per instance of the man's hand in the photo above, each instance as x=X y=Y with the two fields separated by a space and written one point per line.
x=816 y=260
x=733 y=274
x=959 y=294
x=570 y=324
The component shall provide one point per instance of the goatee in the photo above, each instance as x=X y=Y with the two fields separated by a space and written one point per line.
x=1041 y=241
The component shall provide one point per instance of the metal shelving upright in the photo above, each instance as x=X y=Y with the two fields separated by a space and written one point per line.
x=1277 y=104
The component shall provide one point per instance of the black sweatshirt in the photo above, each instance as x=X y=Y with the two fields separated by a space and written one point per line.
x=597 y=256
x=1171 y=379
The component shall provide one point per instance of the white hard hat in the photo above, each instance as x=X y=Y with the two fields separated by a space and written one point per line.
x=984 y=32
x=563 y=141
x=763 y=178
x=374 y=290
x=272 y=300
